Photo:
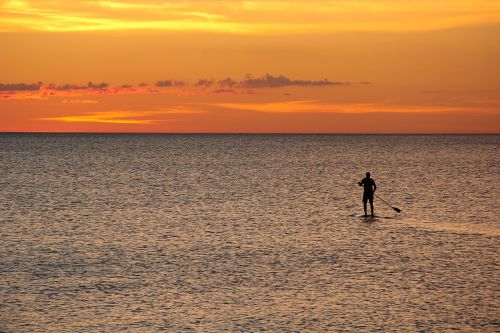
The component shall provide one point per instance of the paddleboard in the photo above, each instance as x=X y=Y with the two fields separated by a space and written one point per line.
x=375 y=217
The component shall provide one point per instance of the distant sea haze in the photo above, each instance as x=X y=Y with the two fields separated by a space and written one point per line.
x=211 y=233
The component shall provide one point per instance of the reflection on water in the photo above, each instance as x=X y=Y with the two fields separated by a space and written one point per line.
x=247 y=233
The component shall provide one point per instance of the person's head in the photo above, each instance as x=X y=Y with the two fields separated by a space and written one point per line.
x=367 y=175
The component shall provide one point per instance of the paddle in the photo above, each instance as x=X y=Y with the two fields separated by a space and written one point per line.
x=395 y=208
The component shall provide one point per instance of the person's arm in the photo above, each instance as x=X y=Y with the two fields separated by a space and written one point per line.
x=361 y=182
x=374 y=187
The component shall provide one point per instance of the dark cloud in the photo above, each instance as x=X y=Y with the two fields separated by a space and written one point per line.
x=227 y=82
x=204 y=83
x=227 y=85
x=224 y=91
x=164 y=83
x=65 y=87
x=102 y=85
x=89 y=85
x=266 y=81
x=169 y=83
x=270 y=81
x=20 y=86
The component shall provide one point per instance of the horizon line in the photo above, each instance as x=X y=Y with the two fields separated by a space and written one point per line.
x=256 y=133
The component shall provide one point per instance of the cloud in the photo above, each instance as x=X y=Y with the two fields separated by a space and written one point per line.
x=277 y=107
x=89 y=85
x=128 y=117
x=169 y=83
x=43 y=91
x=79 y=101
x=269 y=81
x=224 y=91
x=164 y=83
x=20 y=86
x=204 y=83
x=311 y=106
x=109 y=117
x=102 y=85
x=227 y=85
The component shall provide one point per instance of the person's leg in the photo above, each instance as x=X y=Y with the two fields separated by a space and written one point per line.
x=364 y=206
x=371 y=205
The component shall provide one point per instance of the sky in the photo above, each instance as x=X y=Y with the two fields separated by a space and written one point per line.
x=263 y=66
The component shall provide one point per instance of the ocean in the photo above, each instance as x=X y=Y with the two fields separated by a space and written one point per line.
x=248 y=233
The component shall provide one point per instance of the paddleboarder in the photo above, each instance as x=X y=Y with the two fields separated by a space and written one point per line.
x=369 y=189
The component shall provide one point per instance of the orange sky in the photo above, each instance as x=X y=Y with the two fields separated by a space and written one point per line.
x=343 y=66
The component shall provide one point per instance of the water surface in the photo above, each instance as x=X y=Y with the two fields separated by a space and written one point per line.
x=216 y=233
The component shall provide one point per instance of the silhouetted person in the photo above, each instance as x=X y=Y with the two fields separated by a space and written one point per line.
x=369 y=189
